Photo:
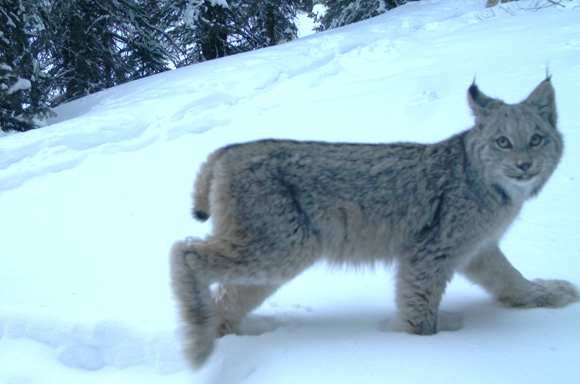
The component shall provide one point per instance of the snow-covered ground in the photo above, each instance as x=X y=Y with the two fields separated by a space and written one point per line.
x=90 y=205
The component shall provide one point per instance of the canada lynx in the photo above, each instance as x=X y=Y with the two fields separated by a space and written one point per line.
x=278 y=206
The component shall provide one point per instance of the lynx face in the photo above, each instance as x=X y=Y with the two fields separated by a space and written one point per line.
x=524 y=151
x=521 y=146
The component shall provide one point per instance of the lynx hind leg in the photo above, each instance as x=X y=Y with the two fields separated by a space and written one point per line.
x=491 y=269
x=246 y=277
x=196 y=306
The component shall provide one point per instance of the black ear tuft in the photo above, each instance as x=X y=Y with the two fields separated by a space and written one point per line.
x=473 y=91
x=480 y=104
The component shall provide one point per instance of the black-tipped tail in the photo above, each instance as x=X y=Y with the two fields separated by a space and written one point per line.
x=200 y=215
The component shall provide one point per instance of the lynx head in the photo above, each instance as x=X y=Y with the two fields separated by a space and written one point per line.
x=518 y=145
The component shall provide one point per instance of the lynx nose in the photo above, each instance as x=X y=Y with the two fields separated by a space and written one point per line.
x=524 y=165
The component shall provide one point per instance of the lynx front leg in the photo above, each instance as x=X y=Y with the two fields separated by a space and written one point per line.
x=421 y=282
x=493 y=271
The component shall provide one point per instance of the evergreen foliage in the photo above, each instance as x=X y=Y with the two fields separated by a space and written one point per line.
x=269 y=22
x=344 y=12
x=23 y=50
x=213 y=29
x=211 y=24
x=102 y=43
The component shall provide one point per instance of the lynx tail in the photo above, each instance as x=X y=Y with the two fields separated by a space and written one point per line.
x=201 y=209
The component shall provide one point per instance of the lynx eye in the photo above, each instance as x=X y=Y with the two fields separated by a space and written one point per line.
x=536 y=140
x=503 y=142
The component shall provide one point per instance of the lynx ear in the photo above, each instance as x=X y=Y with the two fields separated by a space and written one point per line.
x=480 y=104
x=543 y=98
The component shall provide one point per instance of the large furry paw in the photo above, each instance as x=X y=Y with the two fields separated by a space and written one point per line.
x=418 y=328
x=548 y=293
x=446 y=321
x=559 y=293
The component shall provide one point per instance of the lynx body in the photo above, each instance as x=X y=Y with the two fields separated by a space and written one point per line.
x=279 y=206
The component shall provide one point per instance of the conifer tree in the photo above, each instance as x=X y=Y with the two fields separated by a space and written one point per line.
x=103 y=43
x=269 y=22
x=23 y=86
x=206 y=27
x=344 y=12
x=218 y=28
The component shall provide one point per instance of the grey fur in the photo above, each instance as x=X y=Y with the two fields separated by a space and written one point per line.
x=278 y=206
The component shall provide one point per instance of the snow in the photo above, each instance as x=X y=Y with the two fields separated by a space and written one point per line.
x=307 y=24
x=20 y=85
x=222 y=3
x=91 y=204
